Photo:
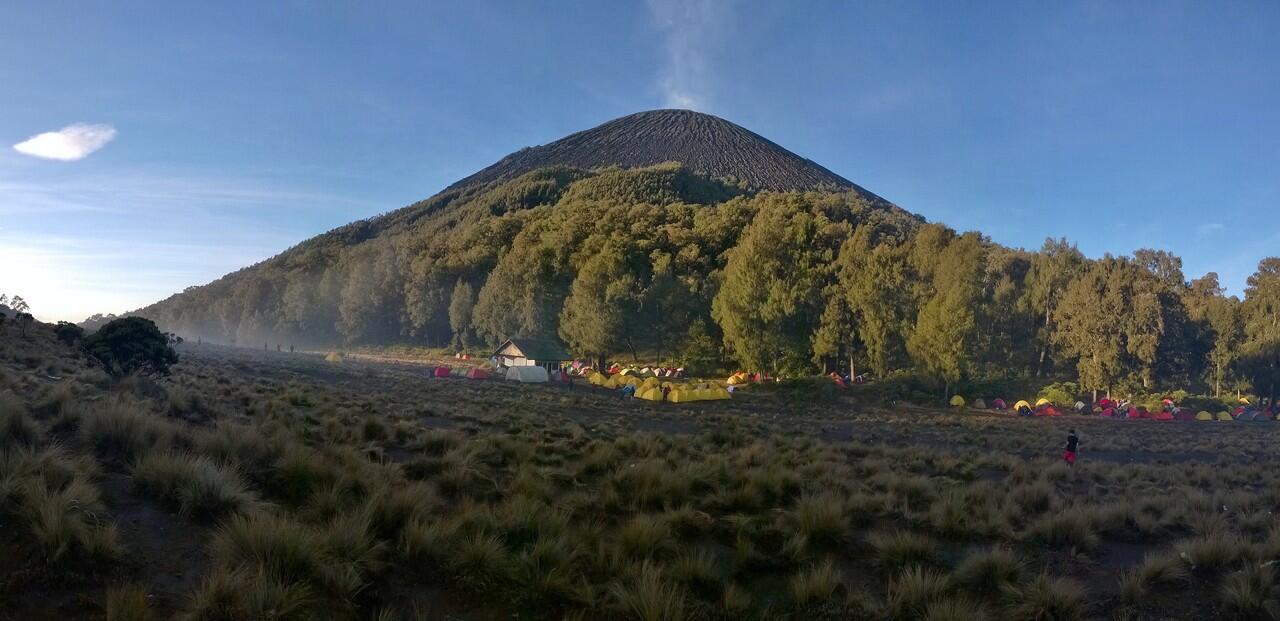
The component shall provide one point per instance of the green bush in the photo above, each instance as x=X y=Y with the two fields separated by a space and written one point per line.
x=129 y=345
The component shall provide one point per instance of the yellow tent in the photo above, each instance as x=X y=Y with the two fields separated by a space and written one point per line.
x=681 y=396
x=1203 y=415
x=333 y=357
x=1225 y=416
x=1021 y=404
x=650 y=382
x=957 y=401
x=1043 y=401
x=652 y=394
x=718 y=393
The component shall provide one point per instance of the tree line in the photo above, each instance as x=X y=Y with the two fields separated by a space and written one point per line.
x=664 y=263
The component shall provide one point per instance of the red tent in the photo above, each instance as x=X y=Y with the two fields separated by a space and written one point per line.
x=999 y=404
x=443 y=372
x=1138 y=412
x=1048 y=410
x=1104 y=402
x=1109 y=412
x=1163 y=415
x=477 y=373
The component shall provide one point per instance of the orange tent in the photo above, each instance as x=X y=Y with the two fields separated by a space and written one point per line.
x=477 y=373
x=443 y=372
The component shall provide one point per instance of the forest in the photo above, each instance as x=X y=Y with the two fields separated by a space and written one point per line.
x=663 y=263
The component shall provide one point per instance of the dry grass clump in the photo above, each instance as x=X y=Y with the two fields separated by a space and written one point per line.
x=645 y=594
x=51 y=494
x=913 y=591
x=901 y=549
x=16 y=428
x=986 y=573
x=819 y=518
x=645 y=536
x=128 y=602
x=1065 y=528
x=1251 y=592
x=249 y=594
x=1212 y=553
x=119 y=431
x=194 y=484
x=815 y=585
x=1044 y=599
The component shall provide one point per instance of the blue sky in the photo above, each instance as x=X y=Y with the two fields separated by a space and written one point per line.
x=239 y=129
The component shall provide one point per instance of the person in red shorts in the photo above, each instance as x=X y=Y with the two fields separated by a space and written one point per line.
x=1073 y=445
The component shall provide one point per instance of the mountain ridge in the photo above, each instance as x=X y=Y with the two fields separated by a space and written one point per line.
x=704 y=143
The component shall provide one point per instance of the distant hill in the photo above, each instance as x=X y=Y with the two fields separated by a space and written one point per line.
x=705 y=144
x=497 y=254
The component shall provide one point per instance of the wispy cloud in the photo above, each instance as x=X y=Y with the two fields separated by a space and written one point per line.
x=71 y=143
x=691 y=29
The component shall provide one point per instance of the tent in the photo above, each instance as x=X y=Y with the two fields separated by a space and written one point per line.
x=527 y=374
x=1105 y=402
x=1225 y=416
x=999 y=404
x=650 y=394
x=957 y=401
x=1184 y=414
x=1042 y=402
x=477 y=373
x=333 y=357
x=1109 y=412
x=1081 y=407
x=1021 y=404
x=1048 y=410
x=1203 y=415
x=1163 y=415
x=1135 y=412
x=443 y=372
x=979 y=404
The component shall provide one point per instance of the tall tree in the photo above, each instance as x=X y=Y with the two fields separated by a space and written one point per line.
x=1052 y=270
x=461 y=302
x=767 y=303
x=1261 y=314
x=876 y=279
x=945 y=340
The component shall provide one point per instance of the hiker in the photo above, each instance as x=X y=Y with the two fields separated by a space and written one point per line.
x=628 y=391
x=1073 y=445
x=666 y=391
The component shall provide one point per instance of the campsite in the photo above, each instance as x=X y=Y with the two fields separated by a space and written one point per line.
x=249 y=480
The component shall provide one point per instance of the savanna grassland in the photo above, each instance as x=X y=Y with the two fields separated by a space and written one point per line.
x=263 y=485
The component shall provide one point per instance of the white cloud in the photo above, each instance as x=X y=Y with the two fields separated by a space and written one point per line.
x=691 y=29
x=71 y=143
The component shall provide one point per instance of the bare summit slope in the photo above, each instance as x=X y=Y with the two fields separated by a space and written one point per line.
x=706 y=144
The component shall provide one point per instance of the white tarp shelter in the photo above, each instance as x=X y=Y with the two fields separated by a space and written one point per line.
x=527 y=374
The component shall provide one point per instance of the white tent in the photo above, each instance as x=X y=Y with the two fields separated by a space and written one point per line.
x=527 y=374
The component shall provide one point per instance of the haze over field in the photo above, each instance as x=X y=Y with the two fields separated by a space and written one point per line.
x=159 y=147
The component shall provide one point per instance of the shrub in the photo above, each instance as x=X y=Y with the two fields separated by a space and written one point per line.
x=131 y=344
x=196 y=485
x=955 y=609
x=68 y=333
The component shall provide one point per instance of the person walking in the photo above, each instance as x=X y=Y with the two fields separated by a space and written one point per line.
x=1072 y=447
